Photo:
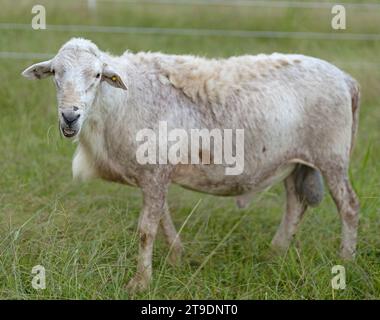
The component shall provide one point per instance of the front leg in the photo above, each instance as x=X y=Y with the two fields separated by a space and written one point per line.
x=154 y=199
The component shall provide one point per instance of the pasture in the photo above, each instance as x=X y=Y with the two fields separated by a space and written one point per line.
x=85 y=234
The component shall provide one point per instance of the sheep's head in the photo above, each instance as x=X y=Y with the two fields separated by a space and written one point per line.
x=78 y=69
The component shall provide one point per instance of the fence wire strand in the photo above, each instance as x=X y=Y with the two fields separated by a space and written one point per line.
x=198 y=32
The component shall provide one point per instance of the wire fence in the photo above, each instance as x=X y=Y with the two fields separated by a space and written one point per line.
x=92 y=4
x=199 y=32
x=246 y=3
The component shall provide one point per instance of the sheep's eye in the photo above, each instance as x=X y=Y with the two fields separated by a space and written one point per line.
x=98 y=76
x=52 y=71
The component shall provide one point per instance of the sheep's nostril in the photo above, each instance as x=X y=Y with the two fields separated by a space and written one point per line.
x=70 y=117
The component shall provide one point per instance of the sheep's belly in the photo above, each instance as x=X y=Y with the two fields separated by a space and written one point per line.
x=213 y=181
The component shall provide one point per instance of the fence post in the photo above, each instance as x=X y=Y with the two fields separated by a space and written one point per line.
x=91 y=5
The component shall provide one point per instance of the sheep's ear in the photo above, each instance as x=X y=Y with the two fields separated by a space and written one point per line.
x=38 y=71
x=113 y=78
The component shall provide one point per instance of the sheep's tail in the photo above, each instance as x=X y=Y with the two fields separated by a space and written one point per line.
x=354 y=88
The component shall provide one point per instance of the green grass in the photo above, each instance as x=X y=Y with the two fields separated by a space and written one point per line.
x=85 y=234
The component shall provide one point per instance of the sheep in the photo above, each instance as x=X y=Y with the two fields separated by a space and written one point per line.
x=299 y=115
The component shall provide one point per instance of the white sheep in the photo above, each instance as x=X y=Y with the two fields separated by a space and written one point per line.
x=299 y=115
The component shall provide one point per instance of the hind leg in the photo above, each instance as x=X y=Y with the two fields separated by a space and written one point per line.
x=348 y=206
x=171 y=236
x=295 y=208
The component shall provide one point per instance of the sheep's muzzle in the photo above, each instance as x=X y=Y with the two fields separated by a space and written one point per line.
x=68 y=132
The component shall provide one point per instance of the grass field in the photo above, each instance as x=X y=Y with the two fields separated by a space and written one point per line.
x=85 y=234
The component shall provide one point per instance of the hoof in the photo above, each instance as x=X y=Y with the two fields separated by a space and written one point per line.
x=279 y=247
x=347 y=255
x=175 y=256
x=137 y=284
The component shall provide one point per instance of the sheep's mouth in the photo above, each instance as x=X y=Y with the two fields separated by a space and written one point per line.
x=69 y=132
